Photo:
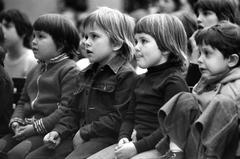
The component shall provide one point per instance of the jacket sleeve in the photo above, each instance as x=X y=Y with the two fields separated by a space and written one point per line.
x=69 y=123
x=68 y=83
x=110 y=124
x=127 y=125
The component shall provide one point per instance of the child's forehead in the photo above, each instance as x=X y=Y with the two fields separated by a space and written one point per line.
x=40 y=32
x=93 y=28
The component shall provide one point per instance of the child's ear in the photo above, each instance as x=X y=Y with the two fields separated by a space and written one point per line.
x=233 y=60
x=117 y=46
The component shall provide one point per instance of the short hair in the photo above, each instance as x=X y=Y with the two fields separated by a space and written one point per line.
x=169 y=34
x=224 y=9
x=22 y=24
x=62 y=30
x=118 y=26
x=224 y=36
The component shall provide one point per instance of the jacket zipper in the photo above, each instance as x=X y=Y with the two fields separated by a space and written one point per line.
x=35 y=99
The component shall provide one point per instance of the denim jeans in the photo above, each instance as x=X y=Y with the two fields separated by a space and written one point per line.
x=90 y=147
x=11 y=148
x=60 y=152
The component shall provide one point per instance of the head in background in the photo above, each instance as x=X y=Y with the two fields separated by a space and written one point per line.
x=190 y=24
x=219 y=48
x=62 y=31
x=16 y=24
x=115 y=26
x=169 y=6
x=210 y=12
x=169 y=35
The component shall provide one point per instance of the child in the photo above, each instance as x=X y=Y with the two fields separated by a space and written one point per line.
x=161 y=46
x=207 y=126
x=6 y=93
x=49 y=86
x=104 y=88
x=18 y=31
x=209 y=12
x=19 y=59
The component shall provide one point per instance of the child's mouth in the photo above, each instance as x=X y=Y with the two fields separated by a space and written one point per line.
x=89 y=52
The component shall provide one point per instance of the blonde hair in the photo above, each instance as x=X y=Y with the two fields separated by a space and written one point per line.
x=118 y=26
x=169 y=33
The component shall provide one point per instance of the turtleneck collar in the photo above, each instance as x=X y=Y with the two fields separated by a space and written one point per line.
x=161 y=67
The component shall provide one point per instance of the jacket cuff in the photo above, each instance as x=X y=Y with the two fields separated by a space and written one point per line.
x=18 y=120
x=39 y=127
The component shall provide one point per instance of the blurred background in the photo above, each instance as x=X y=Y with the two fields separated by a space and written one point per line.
x=34 y=8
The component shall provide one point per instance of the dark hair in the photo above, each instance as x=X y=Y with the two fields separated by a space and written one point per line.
x=224 y=36
x=22 y=24
x=224 y=9
x=63 y=32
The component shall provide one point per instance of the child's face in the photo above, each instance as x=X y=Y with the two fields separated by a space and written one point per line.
x=211 y=61
x=206 y=18
x=166 y=6
x=11 y=36
x=43 y=45
x=147 y=51
x=98 y=46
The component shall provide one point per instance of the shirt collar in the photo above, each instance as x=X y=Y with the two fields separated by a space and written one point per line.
x=114 y=64
x=56 y=59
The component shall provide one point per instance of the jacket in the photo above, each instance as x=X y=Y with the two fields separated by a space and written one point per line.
x=101 y=100
x=47 y=92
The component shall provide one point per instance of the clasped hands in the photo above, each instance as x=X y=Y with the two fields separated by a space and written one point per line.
x=126 y=149
x=22 y=132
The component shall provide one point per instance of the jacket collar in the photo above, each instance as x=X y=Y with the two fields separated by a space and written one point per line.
x=53 y=60
x=114 y=64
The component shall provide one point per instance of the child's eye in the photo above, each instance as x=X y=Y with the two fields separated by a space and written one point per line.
x=206 y=13
x=94 y=36
x=7 y=25
x=143 y=41
x=136 y=41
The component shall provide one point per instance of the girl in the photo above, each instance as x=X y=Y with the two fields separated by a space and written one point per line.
x=161 y=46
x=208 y=126
x=103 y=89
x=49 y=86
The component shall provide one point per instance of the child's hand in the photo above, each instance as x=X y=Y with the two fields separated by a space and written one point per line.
x=121 y=142
x=127 y=150
x=52 y=140
x=77 y=139
x=15 y=126
x=23 y=132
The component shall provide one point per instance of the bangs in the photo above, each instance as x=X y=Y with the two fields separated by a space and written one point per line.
x=146 y=25
x=45 y=23
x=206 y=5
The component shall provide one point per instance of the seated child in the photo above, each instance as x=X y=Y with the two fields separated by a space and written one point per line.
x=208 y=127
x=161 y=44
x=49 y=87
